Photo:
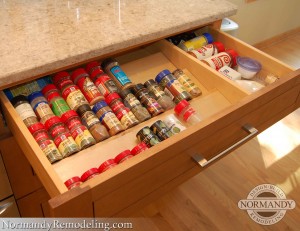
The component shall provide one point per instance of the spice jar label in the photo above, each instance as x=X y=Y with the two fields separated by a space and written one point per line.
x=127 y=119
x=89 y=119
x=186 y=82
x=219 y=61
x=65 y=143
x=111 y=120
x=75 y=99
x=59 y=107
x=166 y=90
x=82 y=136
x=175 y=87
x=42 y=109
x=132 y=101
x=106 y=85
x=120 y=75
x=50 y=150
x=25 y=111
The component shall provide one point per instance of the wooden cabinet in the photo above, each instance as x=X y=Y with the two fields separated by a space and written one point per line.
x=225 y=108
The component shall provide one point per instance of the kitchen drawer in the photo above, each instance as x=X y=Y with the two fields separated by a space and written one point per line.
x=230 y=115
x=9 y=208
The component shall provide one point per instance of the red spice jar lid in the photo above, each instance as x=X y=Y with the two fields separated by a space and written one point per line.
x=220 y=47
x=122 y=155
x=103 y=167
x=59 y=76
x=72 y=180
x=180 y=106
x=52 y=95
x=233 y=55
x=53 y=120
x=111 y=97
x=137 y=148
x=90 y=66
x=67 y=115
x=89 y=173
x=48 y=88
x=96 y=72
x=187 y=114
x=78 y=73
x=36 y=127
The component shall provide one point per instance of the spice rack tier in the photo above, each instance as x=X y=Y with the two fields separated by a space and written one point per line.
x=224 y=107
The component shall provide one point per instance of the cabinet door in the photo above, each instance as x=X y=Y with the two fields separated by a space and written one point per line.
x=9 y=208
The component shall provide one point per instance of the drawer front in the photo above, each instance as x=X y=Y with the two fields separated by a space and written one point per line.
x=9 y=208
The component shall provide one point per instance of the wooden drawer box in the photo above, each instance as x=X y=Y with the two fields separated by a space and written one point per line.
x=227 y=111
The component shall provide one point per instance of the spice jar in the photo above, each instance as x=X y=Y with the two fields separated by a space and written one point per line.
x=134 y=105
x=196 y=42
x=226 y=58
x=40 y=106
x=61 y=136
x=164 y=100
x=139 y=148
x=174 y=124
x=104 y=83
x=188 y=114
x=108 y=164
x=108 y=118
x=207 y=50
x=91 y=66
x=167 y=80
x=24 y=110
x=61 y=78
x=89 y=174
x=73 y=182
x=90 y=120
x=147 y=136
x=123 y=156
x=147 y=100
x=112 y=68
x=79 y=132
x=160 y=129
x=87 y=87
x=41 y=136
x=188 y=84
x=123 y=113
x=58 y=105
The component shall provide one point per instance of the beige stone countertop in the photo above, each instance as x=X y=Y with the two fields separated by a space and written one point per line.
x=40 y=36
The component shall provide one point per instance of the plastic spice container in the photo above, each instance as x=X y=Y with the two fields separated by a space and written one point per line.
x=164 y=100
x=61 y=136
x=142 y=93
x=160 y=129
x=248 y=67
x=174 y=124
x=196 y=42
x=188 y=84
x=108 y=164
x=41 y=136
x=79 y=132
x=40 y=106
x=89 y=174
x=123 y=113
x=188 y=114
x=108 y=118
x=62 y=78
x=167 y=80
x=58 y=105
x=90 y=120
x=148 y=137
x=226 y=58
x=104 y=83
x=139 y=148
x=73 y=182
x=91 y=66
x=123 y=156
x=134 y=105
x=207 y=50
x=112 y=68
x=24 y=110
x=87 y=87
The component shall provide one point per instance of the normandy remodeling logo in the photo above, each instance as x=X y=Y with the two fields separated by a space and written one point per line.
x=266 y=204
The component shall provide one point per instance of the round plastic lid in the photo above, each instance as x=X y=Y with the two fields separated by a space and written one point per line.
x=59 y=76
x=106 y=62
x=82 y=109
x=105 y=164
x=180 y=106
x=138 y=147
x=35 y=94
x=96 y=72
x=249 y=64
x=18 y=98
x=209 y=37
x=35 y=127
x=72 y=180
x=76 y=73
x=48 y=87
x=161 y=75
x=99 y=105
x=111 y=97
x=51 y=121
x=188 y=114
x=219 y=46
x=233 y=55
x=91 y=65
x=67 y=115
x=89 y=173
x=122 y=155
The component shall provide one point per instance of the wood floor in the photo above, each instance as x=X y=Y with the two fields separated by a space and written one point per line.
x=209 y=200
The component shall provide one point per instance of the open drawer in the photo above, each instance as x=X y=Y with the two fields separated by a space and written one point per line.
x=230 y=115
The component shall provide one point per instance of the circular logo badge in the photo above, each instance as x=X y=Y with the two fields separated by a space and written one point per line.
x=266 y=204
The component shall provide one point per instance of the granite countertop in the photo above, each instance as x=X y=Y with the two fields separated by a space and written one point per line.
x=40 y=36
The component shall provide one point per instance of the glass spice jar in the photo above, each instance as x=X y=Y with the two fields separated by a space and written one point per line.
x=61 y=136
x=90 y=120
x=24 y=110
x=73 y=182
x=134 y=105
x=123 y=156
x=89 y=174
x=108 y=164
x=41 y=136
x=87 y=87
x=164 y=100
x=160 y=129
x=188 y=114
x=167 y=80
x=104 y=83
x=40 y=106
x=123 y=113
x=148 y=137
x=79 y=132
x=188 y=84
x=113 y=69
x=139 y=148
x=108 y=118
x=147 y=100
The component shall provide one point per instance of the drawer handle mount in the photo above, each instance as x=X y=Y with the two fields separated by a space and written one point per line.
x=203 y=162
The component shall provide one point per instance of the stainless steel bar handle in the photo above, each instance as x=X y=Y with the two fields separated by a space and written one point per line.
x=203 y=162
x=4 y=207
